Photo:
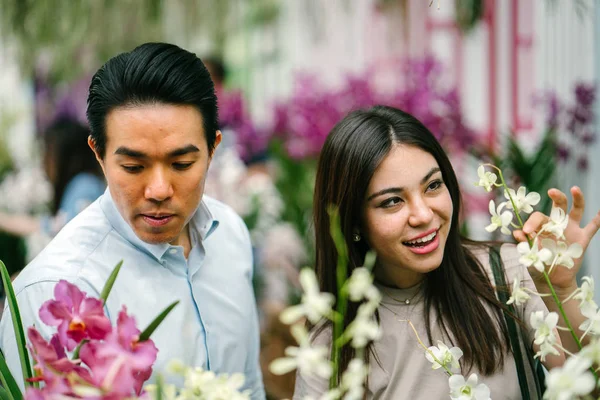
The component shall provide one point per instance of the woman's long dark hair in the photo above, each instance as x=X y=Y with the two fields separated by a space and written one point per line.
x=67 y=154
x=459 y=288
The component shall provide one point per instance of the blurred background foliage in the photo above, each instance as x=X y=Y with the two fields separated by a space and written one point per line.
x=74 y=36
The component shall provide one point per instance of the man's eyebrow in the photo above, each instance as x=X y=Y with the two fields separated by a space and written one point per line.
x=190 y=148
x=401 y=189
x=125 y=151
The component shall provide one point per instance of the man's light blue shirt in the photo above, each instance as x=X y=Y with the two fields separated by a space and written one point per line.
x=215 y=324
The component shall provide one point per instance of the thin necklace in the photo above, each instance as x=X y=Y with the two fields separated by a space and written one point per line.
x=392 y=311
x=405 y=301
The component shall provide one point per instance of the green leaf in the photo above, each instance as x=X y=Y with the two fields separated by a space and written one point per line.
x=9 y=384
x=17 y=324
x=145 y=335
x=78 y=349
x=4 y=395
x=159 y=387
x=110 y=282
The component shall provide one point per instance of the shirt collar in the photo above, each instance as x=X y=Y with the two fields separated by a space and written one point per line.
x=202 y=226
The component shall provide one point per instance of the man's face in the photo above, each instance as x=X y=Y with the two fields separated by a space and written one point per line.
x=155 y=164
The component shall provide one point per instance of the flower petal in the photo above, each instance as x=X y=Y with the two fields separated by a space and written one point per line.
x=283 y=365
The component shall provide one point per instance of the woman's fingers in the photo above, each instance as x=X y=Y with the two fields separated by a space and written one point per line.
x=593 y=226
x=559 y=199
x=534 y=223
x=578 y=207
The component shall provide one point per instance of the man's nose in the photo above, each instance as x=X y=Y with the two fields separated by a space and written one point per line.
x=159 y=188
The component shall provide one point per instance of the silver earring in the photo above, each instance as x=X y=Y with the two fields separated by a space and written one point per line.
x=356 y=237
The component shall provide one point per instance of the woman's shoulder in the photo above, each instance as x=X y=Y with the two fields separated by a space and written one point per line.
x=86 y=179
x=508 y=254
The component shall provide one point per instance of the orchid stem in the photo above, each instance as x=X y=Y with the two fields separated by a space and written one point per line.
x=425 y=347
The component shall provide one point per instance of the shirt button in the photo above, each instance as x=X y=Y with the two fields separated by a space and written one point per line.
x=173 y=251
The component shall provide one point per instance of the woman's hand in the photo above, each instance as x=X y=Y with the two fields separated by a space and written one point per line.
x=562 y=278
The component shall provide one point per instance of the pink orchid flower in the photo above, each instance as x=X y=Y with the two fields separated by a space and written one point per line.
x=53 y=390
x=77 y=316
x=121 y=363
x=48 y=355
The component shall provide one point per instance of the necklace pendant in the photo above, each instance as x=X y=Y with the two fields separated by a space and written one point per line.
x=407 y=301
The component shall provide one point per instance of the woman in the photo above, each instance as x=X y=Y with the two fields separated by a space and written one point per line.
x=398 y=195
x=75 y=176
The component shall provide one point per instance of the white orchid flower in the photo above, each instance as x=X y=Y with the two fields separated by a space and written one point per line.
x=359 y=284
x=545 y=335
x=592 y=351
x=314 y=304
x=523 y=201
x=532 y=256
x=487 y=179
x=353 y=380
x=363 y=330
x=585 y=296
x=461 y=389
x=373 y=297
x=546 y=349
x=447 y=357
x=544 y=326
x=563 y=253
x=310 y=360
x=571 y=381
x=499 y=219
x=557 y=223
x=518 y=294
x=592 y=324
x=198 y=384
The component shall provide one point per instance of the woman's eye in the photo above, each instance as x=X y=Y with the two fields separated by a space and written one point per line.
x=182 y=166
x=435 y=185
x=132 y=168
x=392 y=201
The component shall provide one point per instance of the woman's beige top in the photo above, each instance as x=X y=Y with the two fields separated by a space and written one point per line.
x=404 y=372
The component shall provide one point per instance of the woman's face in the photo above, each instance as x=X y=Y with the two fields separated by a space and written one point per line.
x=407 y=216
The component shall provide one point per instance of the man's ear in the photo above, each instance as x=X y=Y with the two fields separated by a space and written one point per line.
x=92 y=145
x=218 y=138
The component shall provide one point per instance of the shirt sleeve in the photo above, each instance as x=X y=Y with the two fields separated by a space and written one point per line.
x=29 y=301
x=252 y=371
x=515 y=270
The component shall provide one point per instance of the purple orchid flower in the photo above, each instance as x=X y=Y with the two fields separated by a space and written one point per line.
x=121 y=363
x=77 y=316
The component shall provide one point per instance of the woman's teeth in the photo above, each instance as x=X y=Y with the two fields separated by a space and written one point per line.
x=424 y=239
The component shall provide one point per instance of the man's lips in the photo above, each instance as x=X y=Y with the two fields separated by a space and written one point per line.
x=156 y=220
x=157 y=216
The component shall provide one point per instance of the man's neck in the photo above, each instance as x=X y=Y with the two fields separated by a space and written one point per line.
x=184 y=241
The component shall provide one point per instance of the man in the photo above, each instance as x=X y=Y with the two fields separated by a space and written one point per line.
x=153 y=120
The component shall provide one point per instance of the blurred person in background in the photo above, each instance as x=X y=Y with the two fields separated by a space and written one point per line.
x=74 y=174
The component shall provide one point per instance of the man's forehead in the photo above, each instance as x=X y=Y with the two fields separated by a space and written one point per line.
x=168 y=127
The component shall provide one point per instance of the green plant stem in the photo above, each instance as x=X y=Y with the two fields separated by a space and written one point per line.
x=17 y=322
x=512 y=201
x=565 y=318
x=427 y=348
x=562 y=311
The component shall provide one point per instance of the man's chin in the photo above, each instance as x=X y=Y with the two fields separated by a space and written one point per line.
x=156 y=238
